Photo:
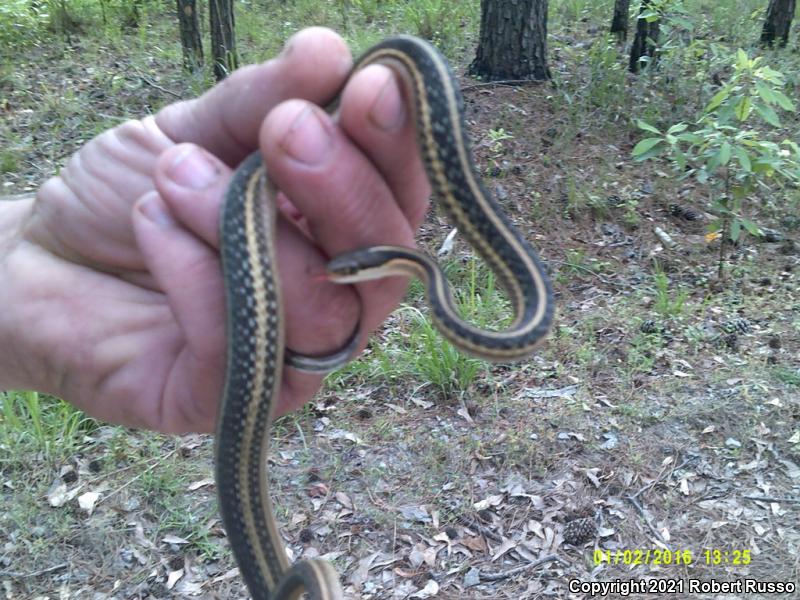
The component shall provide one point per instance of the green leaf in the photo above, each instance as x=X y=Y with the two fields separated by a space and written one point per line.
x=645 y=146
x=720 y=205
x=766 y=93
x=680 y=158
x=724 y=154
x=743 y=108
x=743 y=158
x=752 y=228
x=736 y=229
x=647 y=127
x=677 y=128
x=691 y=138
x=771 y=75
x=718 y=99
x=742 y=62
x=739 y=193
x=768 y=114
x=783 y=101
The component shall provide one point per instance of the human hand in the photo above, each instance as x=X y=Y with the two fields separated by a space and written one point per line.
x=114 y=297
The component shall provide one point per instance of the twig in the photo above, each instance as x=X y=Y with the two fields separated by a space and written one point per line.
x=640 y=508
x=632 y=498
x=772 y=499
x=660 y=478
x=503 y=82
x=521 y=568
x=19 y=575
x=153 y=84
x=156 y=463
x=580 y=268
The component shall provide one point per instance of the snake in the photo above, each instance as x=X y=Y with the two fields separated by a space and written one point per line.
x=256 y=354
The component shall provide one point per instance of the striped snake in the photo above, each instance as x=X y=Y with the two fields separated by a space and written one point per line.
x=255 y=325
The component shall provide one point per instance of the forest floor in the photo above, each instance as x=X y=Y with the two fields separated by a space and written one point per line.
x=656 y=436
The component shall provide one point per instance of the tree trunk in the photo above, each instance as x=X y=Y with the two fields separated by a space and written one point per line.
x=223 y=37
x=778 y=22
x=619 y=23
x=646 y=41
x=191 y=43
x=513 y=41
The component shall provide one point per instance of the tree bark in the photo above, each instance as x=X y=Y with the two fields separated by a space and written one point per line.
x=619 y=22
x=191 y=43
x=778 y=22
x=513 y=41
x=646 y=41
x=223 y=37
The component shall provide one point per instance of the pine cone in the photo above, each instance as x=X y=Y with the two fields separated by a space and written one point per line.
x=739 y=325
x=580 y=531
x=649 y=326
x=684 y=212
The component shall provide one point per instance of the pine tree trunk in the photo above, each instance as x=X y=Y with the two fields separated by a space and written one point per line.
x=619 y=23
x=778 y=22
x=646 y=40
x=513 y=41
x=191 y=43
x=223 y=37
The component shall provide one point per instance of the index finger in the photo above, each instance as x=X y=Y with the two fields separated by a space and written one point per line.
x=226 y=119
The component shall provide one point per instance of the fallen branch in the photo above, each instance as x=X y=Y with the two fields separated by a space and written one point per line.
x=787 y=500
x=521 y=568
x=153 y=84
x=19 y=575
x=661 y=477
x=640 y=508
x=503 y=82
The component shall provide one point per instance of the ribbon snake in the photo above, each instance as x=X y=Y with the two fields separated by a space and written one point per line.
x=255 y=328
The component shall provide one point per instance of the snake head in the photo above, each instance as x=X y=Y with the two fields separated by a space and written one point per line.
x=375 y=262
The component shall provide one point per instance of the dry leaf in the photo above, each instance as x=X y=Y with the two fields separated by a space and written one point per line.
x=343 y=499
x=173 y=578
x=208 y=481
x=360 y=574
x=58 y=495
x=478 y=544
x=87 y=501
x=487 y=502
x=174 y=539
x=317 y=490
x=429 y=591
x=503 y=548
x=422 y=403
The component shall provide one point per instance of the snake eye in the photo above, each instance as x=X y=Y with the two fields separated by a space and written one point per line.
x=343 y=266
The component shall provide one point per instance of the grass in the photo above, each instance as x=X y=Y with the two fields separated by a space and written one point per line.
x=415 y=349
x=42 y=425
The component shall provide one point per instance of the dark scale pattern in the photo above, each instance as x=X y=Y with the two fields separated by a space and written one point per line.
x=444 y=133
x=240 y=373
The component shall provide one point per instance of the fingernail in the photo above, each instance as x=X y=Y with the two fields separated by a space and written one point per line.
x=307 y=140
x=155 y=211
x=388 y=112
x=193 y=169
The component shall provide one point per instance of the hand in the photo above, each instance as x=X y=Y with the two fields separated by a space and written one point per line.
x=113 y=295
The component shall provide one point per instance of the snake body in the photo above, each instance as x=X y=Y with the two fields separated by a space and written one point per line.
x=255 y=330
